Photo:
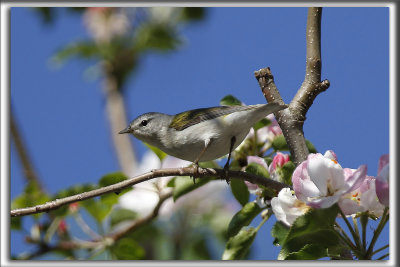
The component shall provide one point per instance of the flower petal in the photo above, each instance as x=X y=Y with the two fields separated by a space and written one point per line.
x=383 y=160
x=355 y=180
x=324 y=202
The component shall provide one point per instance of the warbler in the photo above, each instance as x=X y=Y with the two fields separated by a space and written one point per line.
x=201 y=134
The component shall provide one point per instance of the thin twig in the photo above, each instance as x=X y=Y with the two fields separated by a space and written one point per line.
x=186 y=171
x=142 y=221
x=101 y=241
x=291 y=120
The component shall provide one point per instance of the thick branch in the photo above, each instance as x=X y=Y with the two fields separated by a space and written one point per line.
x=118 y=121
x=291 y=120
x=312 y=85
x=187 y=171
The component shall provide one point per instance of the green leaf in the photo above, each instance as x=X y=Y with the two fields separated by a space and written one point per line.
x=32 y=195
x=128 y=249
x=311 y=147
x=77 y=189
x=286 y=171
x=82 y=49
x=230 y=100
x=110 y=179
x=16 y=223
x=121 y=215
x=315 y=228
x=171 y=183
x=308 y=252
x=46 y=14
x=262 y=123
x=160 y=154
x=240 y=191
x=243 y=218
x=98 y=209
x=193 y=13
x=184 y=185
x=279 y=231
x=257 y=169
x=157 y=36
x=238 y=245
x=279 y=143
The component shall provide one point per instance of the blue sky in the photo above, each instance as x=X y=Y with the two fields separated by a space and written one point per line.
x=62 y=114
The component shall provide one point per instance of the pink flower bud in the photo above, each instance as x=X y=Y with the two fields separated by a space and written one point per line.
x=62 y=227
x=279 y=160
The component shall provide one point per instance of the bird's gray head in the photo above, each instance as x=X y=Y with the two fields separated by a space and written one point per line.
x=147 y=127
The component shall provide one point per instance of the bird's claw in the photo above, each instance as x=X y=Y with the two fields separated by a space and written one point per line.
x=195 y=167
x=226 y=170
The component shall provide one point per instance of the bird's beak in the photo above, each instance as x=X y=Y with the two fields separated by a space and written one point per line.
x=126 y=130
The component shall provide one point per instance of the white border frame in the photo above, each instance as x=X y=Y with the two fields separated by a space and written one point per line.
x=5 y=140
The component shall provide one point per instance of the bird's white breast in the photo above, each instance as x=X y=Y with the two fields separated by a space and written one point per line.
x=188 y=143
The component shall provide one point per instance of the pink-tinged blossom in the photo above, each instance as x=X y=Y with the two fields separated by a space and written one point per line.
x=275 y=167
x=265 y=135
x=320 y=181
x=382 y=180
x=253 y=188
x=330 y=155
x=274 y=127
x=362 y=199
x=279 y=160
x=287 y=207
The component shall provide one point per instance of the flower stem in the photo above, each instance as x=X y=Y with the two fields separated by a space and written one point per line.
x=380 y=249
x=377 y=232
x=345 y=237
x=364 y=222
x=355 y=236
x=382 y=257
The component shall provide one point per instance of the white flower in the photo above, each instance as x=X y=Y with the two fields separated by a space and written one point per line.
x=287 y=207
x=144 y=196
x=105 y=23
x=320 y=181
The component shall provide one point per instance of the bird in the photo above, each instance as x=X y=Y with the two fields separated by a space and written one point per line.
x=202 y=134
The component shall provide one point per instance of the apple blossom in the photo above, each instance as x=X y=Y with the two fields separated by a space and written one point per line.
x=362 y=199
x=382 y=180
x=144 y=196
x=253 y=188
x=287 y=207
x=279 y=160
x=320 y=181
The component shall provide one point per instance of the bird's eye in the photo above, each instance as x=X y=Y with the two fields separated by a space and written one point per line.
x=143 y=123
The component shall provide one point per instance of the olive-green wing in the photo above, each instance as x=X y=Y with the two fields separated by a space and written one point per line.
x=186 y=119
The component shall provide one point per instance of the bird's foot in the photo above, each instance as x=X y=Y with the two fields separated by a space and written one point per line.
x=226 y=170
x=195 y=168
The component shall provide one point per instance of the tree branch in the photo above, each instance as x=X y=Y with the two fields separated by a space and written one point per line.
x=96 y=242
x=29 y=171
x=291 y=120
x=186 y=171
x=116 y=113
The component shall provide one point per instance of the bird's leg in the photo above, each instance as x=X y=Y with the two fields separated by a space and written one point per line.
x=226 y=167
x=207 y=143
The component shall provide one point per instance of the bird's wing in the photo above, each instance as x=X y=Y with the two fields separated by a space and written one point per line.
x=186 y=119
